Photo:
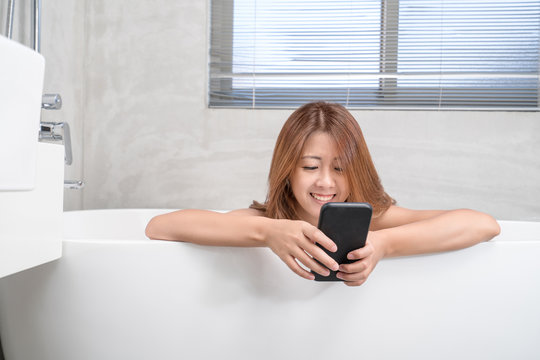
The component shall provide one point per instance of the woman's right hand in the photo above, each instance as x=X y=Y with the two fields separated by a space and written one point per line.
x=295 y=241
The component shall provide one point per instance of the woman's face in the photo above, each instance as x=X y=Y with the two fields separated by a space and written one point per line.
x=317 y=177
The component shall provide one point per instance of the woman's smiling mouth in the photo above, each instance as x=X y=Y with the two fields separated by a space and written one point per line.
x=321 y=197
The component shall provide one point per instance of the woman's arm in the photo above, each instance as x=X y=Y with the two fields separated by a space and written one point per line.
x=292 y=241
x=408 y=232
x=209 y=228
x=400 y=232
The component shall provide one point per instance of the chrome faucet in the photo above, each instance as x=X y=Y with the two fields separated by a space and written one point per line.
x=51 y=131
x=48 y=131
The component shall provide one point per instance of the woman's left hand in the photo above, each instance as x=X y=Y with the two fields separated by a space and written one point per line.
x=356 y=273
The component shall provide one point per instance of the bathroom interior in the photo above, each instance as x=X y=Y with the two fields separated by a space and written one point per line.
x=133 y=78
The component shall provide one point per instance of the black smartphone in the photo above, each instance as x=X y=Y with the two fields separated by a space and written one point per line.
x=346 y=224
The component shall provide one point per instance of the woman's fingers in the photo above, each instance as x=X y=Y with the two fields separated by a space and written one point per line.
x=321 y=257
x=298 y=254
x=314 y=236
x=356 y=276
x=357 y=272
x=355 y=267
x=298 y=246
x=360 y=253
x=317 y=236
x=310 y=263
x=295 y=243
x=293 y=265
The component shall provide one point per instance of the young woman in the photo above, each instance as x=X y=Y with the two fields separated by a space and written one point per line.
x=321 y=156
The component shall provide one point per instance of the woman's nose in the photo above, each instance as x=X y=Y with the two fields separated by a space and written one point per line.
x=325 y=179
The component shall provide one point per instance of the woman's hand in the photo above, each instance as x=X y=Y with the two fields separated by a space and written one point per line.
x=356 y=273
x=295 y=241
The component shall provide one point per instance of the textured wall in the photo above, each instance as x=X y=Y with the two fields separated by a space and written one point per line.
x=135 y=74
x=483 y=160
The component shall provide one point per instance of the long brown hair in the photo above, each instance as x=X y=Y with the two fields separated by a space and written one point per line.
x=359 y=170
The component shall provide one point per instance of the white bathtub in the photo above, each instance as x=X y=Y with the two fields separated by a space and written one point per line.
x=116 y=295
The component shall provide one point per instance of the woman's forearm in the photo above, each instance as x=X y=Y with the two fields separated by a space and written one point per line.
x=450 y=230
x=208 y=228
x=293 y=241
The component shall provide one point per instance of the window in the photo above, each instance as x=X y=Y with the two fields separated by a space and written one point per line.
x=378 y=54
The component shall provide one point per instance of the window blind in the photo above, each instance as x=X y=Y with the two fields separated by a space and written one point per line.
x=390 y=54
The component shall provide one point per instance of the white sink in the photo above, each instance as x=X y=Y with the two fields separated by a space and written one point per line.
x=21 y=88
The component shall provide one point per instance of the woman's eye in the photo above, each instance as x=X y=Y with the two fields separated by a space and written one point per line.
x=309 y=167
x=338 y=169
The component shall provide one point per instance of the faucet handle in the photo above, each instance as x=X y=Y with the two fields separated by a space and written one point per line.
x=48 y=133
x=51 y=102
x=67 y=143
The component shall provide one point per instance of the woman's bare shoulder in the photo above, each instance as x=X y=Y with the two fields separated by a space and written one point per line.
x=246 y=212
